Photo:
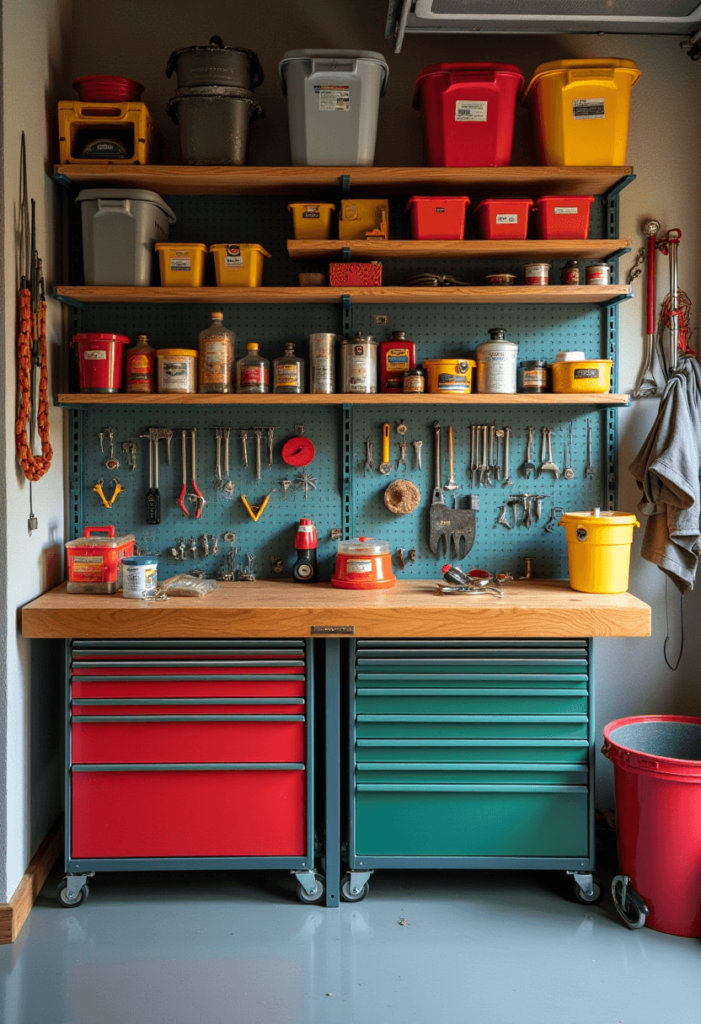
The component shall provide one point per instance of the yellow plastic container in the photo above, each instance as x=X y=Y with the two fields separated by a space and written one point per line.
x=580 y=111
x=449 y=376
x=181 y=265
x=129 y=124
x=238 y=265
x=363 y=218
x=590 y=377
x=598 y=550
x=311 y=220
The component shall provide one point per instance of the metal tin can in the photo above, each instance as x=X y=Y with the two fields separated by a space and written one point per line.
x=359 y=365
x=538 y=273
x=500 y=280
x=322 y=363
x=599 y=273
x=532 y=377
x=139 y=576
x=177 y=370
x=496 y=364
x=414 y=382
x=570 y=272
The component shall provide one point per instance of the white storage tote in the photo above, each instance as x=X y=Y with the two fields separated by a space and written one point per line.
x=333 y=101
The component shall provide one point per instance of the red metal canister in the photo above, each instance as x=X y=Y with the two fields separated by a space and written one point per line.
x=396 y=357
x=100 y=361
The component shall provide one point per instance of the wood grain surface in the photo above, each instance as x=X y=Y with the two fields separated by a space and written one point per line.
x=377 y=399
x=281 y=608
x=590 y=249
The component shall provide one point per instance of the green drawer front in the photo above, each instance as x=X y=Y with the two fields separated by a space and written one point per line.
x=489 y=702
x=570 y=727
x=509 y=679
x=488 y=666
x=473 y=751
x=499 y=774
x=482 y=822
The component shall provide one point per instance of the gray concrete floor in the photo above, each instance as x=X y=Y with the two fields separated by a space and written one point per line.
x=423 y=948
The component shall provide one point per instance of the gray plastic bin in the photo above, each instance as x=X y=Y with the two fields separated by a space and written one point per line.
x=333 y=102
x=120 y=229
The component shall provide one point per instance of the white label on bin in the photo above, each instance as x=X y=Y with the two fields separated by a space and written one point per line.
x=471 y=110
x=507 y=218
x=334 y=97
x=359 y=565
x=95 y=354
x=233 y=257
x=181 y=261
x=566 y=209
x=588 y=110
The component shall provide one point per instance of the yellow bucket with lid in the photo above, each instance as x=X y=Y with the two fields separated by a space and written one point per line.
x=598 y=550
x=449 y=376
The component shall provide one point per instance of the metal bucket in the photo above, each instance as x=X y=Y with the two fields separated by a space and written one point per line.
x=216 y=64
x=214 y=124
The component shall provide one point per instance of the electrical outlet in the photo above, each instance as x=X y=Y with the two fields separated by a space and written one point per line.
x=379 y=318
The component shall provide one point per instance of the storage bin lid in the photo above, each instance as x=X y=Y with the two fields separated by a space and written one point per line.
x=177 y=353
x=599 y=517
x=565 y=200
x=136 y=195
x=94 y=536
x=583 y=64
x=371 y=56
x=197 y=246
x=243 y=246
x=363 y=546
x=478 y=70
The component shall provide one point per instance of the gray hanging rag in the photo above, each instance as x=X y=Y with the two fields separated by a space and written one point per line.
x=667 y=472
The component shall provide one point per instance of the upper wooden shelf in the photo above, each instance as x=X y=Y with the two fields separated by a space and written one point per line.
x=226 y=181
x=590 y=249
x=516 y=294
x=341 y=399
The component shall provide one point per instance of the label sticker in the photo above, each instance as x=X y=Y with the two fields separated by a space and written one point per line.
x=334 y=97
x=588 y=110
x=181 y=261
x=586 y=374
x=94 y=354
x=359 y=565
x=507 y=218
x=87 y=569
x=311 y=214
x=471 y=110
x=233 y=256
x=566 y=209
x=452 y=382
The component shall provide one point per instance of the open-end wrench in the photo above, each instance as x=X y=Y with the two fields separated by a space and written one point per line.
x=491 y=474
x=369 y=457
x=218 y=479
x=243 y=434
x=258 y=434
x=527 y=510
x=229 y=485
x=528 y=466
x=451 y=485
x=417 y=446
x=589 y=468
x=547 y=465
x=270 y=434
x=183 y=489
x=484 y=468
x=508 y=482
x=497 y=468
x=473 y=454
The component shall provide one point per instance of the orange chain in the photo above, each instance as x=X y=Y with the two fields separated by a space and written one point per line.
x=33 y=466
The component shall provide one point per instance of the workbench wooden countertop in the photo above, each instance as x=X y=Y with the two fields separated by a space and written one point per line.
x=281 y=608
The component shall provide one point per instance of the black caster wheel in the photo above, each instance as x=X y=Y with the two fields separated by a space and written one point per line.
x=348 y=895
x=312 y=898
x=630 y=906
x=65 y=900
x=582 y=897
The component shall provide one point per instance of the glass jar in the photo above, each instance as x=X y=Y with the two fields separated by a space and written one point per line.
x=532 y=377
x=288 y=372
x=253 y=372
x=177 y=371
x=414 y=382
x=216 y=344
x=141 y=367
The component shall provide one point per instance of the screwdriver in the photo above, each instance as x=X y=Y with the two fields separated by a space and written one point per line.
x=153 y=495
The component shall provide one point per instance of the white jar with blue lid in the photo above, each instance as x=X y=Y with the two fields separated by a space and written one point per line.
x=139 y=576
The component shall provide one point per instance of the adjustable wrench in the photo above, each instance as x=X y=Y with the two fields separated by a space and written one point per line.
x=547 y=465
x=258 y=434
x=508 y=482
x=528 y=466
x=497 y=468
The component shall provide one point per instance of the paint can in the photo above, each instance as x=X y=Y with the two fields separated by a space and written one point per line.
x=359 y=365
x=139 y=576
x=322 y=363
x=537 y=273
x=599 y=273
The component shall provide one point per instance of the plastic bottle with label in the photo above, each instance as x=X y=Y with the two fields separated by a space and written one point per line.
x=141 y=367
x=288 y=372
x=216 y=358
x=253 y=372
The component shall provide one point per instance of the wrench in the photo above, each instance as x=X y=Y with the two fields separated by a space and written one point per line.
x=497 y=469
x=589 y=468
x=417 y=446
x=270 y=433
x=451 y=485
x=491 y=473
x=229 y=485
x=219 y=479
x=569 y=471
x=198 y=496
x=243 y=434
x=183 y=489
x=501 y=519
x=547 y=465
x=258 y=434
x=508 y=482
x=369 y=457
x=484 y=468
x=401 y=461
x=528 y=466
x=473 y=452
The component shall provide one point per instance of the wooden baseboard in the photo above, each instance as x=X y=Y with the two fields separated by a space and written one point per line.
x=15 y=913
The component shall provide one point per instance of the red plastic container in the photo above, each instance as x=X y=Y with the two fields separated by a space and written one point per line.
x=438 y=218
x=367 y=275
x=100 y=361
x=562 y=216
x=503 y=218
x=107 y=89
x=468 y=113
x=657 y=771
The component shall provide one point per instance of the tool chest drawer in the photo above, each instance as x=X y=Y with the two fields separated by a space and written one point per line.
x=471 y=726
x=477 y=701
x=538 y=751
x=190 y=812
x=516 y=773
x=276 y=707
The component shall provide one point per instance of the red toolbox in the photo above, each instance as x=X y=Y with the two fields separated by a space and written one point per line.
x=468 y=113
x=438 y=218
x=562 y=216
x=503 y=218
x=348 y=275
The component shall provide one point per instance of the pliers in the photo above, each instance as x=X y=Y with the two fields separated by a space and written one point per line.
x=197 y=497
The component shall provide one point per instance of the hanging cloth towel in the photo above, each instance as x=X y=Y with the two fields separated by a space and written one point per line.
x=667 y=471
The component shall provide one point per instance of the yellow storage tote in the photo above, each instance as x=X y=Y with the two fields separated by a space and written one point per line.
x=362 y=217
x=311 y=220
x=238 y=265
x=130 y=124
x=181 y=265
x=580 y=111
x=598 y=550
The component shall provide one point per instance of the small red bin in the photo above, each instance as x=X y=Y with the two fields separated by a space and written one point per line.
x=503 y=218
x=100 y=361
x=362 y=275
x=562 y=216
x=438 y=218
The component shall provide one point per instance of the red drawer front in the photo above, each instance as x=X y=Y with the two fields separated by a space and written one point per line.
x=188 y=814
x=107 y=742
x=180 y=657
x=210 y=687
x=182 y=668
x=98 y=710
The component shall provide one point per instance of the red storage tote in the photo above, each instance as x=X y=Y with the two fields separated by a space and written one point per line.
x=188 y=813
x=468 y=113
x=100 y=361
x=657 y=771
x=503 y=218
x=438 y=218
x=562 y=216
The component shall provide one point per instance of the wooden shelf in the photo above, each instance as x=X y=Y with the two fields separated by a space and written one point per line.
x=591 y=249
x=517 y=294
x=280 y=608
x=378 y=399
x=183 y=180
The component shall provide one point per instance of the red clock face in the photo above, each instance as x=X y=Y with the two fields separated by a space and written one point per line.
x=298 y=451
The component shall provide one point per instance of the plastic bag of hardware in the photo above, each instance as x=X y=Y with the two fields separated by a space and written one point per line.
x=187 y=586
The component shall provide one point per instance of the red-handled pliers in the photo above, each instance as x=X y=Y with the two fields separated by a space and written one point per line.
x=198 y=496
x=181 y=499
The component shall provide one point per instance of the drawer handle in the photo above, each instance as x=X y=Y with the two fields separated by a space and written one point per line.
x=471 y=743
x=460 y=787
x=215 y=766
x=469 y=766
x=93 y=702
x=96 y=719
x=179 y=677
x=525 y=692
x=430 y=719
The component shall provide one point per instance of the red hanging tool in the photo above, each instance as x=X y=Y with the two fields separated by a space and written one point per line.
x=198 y=496
x=183 y=489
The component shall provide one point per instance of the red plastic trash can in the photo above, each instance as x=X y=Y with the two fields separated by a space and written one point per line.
x=657 y=770
x=468 y=113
